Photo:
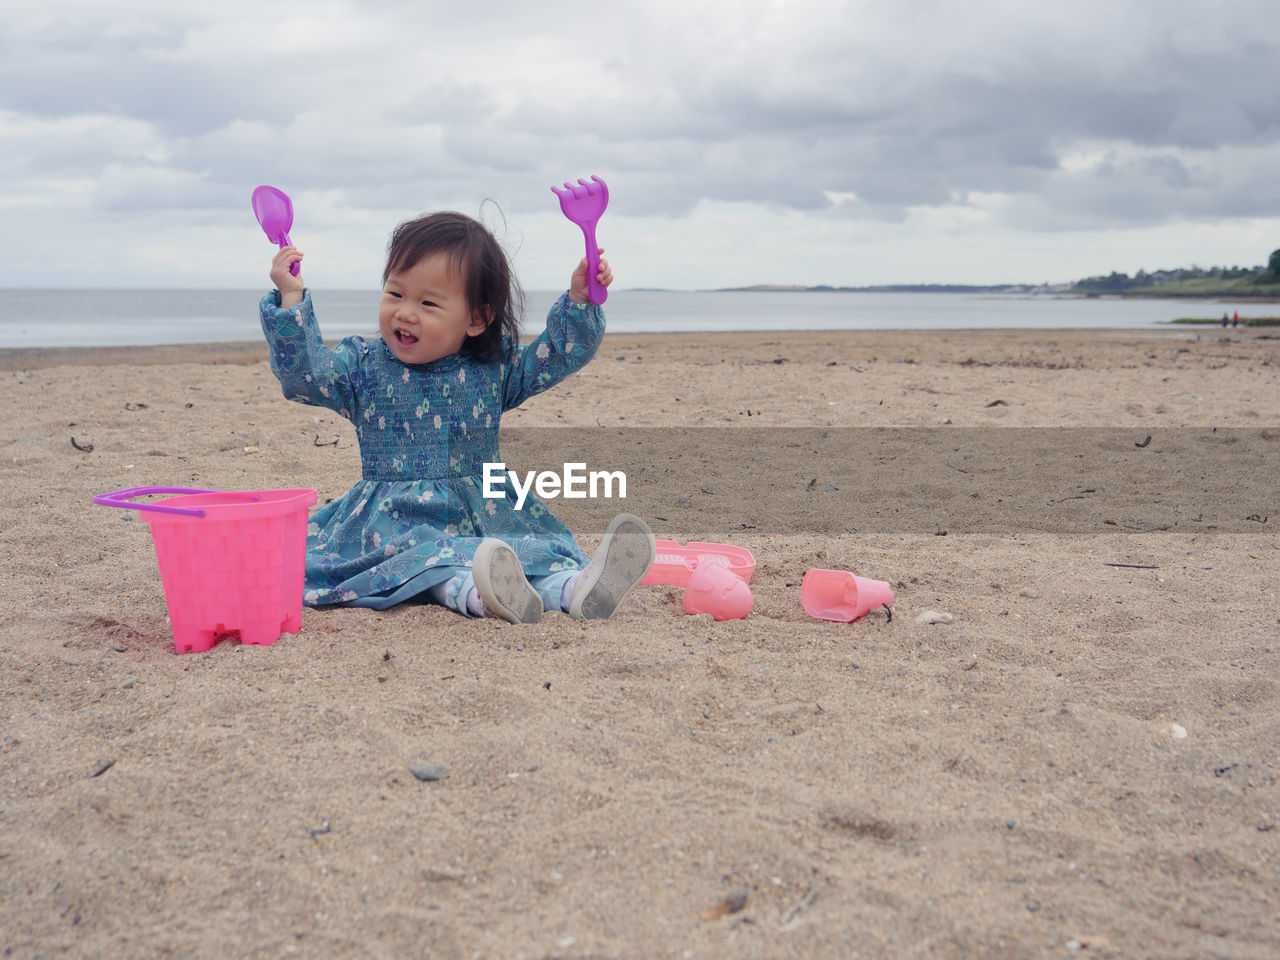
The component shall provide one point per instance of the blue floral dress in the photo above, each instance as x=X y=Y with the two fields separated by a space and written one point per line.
x=425 y=432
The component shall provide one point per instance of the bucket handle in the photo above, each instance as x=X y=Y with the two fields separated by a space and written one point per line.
x=117 y=498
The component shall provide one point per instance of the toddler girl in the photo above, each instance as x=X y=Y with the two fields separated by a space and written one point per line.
x=426 y=400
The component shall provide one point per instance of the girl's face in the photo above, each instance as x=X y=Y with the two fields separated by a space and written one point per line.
x=423 y=314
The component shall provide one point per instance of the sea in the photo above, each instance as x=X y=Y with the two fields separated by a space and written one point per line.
x=116 y=317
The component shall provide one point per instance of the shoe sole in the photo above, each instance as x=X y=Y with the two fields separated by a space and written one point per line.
x=502 y=586
x=624 y=556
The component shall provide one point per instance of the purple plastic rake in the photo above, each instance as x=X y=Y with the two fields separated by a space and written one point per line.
x=584 y=204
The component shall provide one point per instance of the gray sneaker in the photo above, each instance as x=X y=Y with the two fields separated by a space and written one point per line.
x=624 y=556
x=501 y=584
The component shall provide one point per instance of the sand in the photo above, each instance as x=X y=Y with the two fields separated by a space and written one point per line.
x=1082 y=762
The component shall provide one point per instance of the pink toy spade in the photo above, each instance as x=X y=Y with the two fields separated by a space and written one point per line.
x=274 y=211
x=840 y=595
x=584 y=205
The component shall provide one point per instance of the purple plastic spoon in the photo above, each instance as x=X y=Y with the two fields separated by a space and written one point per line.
x=584 y=205
x=274 y=211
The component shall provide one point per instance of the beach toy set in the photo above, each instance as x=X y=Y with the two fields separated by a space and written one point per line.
x=233 y=562
x=229 y=562
x=717 y=578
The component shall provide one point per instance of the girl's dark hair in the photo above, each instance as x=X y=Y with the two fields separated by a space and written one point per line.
x=490 y=285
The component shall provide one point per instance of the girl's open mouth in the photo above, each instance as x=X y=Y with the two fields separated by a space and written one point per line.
x=405 y=339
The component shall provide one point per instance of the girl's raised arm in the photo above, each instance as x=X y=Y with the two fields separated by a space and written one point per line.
x=308 y=371
x=573 y=334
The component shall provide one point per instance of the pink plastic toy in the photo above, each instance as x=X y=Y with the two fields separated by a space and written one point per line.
x=584 y=205
x=274 y=211
x=715 y=589
x=674 y=564
x=228 y=561
x=840 y=595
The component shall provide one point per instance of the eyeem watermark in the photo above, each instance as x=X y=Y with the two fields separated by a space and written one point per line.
x=574 y=483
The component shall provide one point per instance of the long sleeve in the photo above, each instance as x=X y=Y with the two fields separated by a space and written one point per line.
x=308 y=371
x=572 y=336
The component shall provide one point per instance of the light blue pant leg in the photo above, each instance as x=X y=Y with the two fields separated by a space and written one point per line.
x=551 y=588
x=453 y=592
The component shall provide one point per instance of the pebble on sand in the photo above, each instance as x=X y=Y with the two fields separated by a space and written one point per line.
x=934 y=616
x=732 y=903
x=1175 y=730
x=426 y=771
x=1084 y=943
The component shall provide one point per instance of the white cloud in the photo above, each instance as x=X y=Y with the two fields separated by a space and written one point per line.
x=926 y=140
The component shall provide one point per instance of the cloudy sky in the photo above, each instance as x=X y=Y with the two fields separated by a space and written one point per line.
x=753 y=141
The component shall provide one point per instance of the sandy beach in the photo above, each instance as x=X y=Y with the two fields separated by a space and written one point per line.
x=1082 y=762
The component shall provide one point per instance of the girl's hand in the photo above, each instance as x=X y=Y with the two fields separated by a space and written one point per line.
x=290 y=287
x=578 y=282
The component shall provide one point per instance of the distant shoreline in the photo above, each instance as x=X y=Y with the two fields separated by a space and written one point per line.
x=1062 y=291
x=890 y=288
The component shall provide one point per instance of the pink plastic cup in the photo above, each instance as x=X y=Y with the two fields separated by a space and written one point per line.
x=842 y=596
x=715 y=589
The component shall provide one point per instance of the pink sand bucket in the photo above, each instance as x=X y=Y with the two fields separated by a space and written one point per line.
x=228 y=561
x=841 y=595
